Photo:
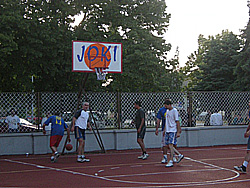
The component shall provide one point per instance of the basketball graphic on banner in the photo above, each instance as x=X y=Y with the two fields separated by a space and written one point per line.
x=97 y=56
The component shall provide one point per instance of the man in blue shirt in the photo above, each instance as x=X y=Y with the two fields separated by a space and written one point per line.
x=57 y=131
x=161 y=117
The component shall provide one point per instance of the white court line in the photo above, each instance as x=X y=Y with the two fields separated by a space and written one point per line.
x=179 y=184
x=156 y=173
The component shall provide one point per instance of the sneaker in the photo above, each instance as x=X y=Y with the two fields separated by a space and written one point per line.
x=180 y=158
x=240 y=168
x=85 y=160
x=174 y=160
x=164 y=160
x=170 y=164
x=140 y=157
x=52 y=159
x=57 y=155
x=145 y=156
x=81 y=160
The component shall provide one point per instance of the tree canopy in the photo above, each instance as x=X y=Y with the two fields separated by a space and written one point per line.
x=36 y=40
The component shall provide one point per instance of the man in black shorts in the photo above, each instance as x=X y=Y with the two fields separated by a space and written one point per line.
x=141 y=129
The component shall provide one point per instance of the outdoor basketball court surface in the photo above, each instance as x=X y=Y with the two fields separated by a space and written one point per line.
x=201 y=167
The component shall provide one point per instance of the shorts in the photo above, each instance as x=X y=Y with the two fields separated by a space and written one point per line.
x=55 y=140
x=79 y=133
x=142 y=133
x=248 y=144
x=170 y=138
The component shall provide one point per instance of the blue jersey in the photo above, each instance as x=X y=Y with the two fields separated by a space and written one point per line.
x=162 y=116
x=57 y=125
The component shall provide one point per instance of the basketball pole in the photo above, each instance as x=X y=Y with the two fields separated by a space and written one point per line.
x=98 y=137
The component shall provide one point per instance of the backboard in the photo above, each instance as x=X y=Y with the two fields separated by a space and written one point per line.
x=86 y=56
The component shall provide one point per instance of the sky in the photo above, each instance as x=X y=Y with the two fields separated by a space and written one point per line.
x=190 y=18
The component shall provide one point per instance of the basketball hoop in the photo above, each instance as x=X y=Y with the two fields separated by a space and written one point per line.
x=100 y=73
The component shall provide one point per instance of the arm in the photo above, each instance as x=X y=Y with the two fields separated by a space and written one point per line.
x=73 y=124
x=44 y=132
x=89 y=126
x=157 y=126
x=68 y=134
x=178 y=128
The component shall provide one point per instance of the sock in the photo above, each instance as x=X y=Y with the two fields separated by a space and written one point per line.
x=245 y=163
x=52 y=157
x=79 y=156
x=165 y=156
x=82 y=156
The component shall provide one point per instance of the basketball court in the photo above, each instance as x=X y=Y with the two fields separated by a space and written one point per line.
x=201 y=167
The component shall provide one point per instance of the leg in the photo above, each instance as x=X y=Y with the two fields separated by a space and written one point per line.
x=171 y=148
x=243 y=167
x=80 y=146
x=141 y=143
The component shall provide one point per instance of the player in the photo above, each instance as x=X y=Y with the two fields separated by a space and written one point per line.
x=141 y=129
x=172 y=130
x=243 y=167
x=79 y=125
x=57 y=131
x=161 y=117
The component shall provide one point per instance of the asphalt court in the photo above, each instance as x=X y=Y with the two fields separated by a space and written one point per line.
x=201 y=167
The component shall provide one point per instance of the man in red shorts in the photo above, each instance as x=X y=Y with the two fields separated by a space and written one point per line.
x=57 y=131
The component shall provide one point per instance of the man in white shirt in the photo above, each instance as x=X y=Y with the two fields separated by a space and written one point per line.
x=12 y=121
x=172 y=130
x=79 y=125
x=216 y=119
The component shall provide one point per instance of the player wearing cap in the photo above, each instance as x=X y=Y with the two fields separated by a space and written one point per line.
x=57 y=131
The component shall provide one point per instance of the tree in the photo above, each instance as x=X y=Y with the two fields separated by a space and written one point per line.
x=36 y=41
x=139 y=26
x=242 y=70
x=217 y=67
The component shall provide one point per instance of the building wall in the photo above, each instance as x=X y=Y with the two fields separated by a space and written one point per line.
x=37 y=143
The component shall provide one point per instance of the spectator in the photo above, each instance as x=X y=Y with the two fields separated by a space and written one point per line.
x=12 y=121
x=207 y=118
x=216 y=119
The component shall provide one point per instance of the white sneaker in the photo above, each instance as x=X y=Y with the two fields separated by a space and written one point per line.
x=85 y=160
x=180 y=158
x=57 y=155
x=145 y=156
x=140 y=157
x=174 y=160
x=81 y=160
x=164 y=160
x=170 y=164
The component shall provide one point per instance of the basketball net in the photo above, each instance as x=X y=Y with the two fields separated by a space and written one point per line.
x=100 y=73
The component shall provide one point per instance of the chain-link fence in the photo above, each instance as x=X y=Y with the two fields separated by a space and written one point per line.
x=116 y=110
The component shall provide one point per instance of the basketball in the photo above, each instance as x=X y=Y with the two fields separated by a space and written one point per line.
x=69 y=147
